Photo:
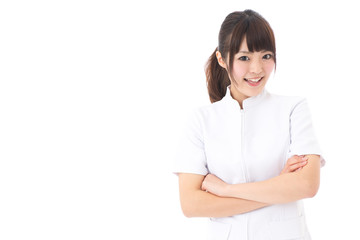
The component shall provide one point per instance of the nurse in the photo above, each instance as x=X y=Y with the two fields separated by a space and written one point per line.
x=247 y=160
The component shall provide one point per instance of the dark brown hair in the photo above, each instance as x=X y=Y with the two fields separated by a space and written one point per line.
x=236 y=26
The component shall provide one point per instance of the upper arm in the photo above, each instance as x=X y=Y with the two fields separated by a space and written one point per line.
x=188 y=185
x=190 y=156
x=303 y=140
x=190 y=181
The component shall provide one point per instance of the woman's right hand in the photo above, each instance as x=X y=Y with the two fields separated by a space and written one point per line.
x=295 y=163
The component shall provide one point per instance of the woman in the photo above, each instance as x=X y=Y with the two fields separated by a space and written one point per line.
x=248 y=159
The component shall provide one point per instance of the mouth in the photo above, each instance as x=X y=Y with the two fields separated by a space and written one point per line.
x=254 y=82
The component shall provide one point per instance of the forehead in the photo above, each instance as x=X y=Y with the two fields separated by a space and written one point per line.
x=244 y=46
x=245 y=49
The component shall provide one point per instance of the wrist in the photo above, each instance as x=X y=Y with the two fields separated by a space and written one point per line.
x=227 y=190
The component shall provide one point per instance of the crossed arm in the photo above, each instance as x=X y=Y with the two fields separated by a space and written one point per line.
x=299 y=179
x=198 y=203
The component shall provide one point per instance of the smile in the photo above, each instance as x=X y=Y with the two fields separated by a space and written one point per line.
x=253 y=82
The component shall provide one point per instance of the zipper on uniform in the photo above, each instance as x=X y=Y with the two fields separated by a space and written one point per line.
x=242 y=145
x=243 y=163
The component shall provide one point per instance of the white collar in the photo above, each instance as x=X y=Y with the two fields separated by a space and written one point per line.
x=248 y=102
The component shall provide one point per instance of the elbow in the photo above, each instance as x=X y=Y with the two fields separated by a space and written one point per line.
x=187 y=213
x=193 y=206
x=189 y=206
x=311 y=193
x=188 y=210
x=311 y=189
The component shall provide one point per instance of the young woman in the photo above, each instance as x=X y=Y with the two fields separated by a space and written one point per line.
x=248 y=159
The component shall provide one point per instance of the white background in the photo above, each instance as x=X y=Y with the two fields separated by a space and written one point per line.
x=93 y=95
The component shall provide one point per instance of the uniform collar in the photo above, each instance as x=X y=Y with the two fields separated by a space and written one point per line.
x=247 y=103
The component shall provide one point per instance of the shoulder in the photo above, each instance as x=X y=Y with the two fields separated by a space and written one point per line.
x=285 y=98
x=285 y=101
x=211 y=113
x=210 y=109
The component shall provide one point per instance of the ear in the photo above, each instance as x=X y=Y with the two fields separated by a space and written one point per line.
x=221 y=61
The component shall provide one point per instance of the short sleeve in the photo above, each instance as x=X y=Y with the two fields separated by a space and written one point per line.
x=302 y=135
x=190 y=156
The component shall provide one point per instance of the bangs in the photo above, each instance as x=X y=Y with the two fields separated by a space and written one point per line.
x=259 y=37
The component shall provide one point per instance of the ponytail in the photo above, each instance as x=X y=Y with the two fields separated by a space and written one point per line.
x=217 y=79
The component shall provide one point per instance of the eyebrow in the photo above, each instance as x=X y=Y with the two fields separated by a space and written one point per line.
x=247 y=52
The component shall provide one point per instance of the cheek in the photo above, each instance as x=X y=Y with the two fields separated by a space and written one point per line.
x=269 y=67
x=239 y=71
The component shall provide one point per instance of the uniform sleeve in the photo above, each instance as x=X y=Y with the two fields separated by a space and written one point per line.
x=190 y=157
x=302 y=135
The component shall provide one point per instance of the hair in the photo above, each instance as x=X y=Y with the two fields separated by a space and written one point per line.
x=234 y=29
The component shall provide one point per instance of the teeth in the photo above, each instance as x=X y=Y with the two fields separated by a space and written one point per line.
x=253 y=79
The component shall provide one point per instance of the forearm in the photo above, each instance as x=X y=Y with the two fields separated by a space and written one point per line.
x=204 y=204
x=281 y=189
x=284 y=188
x=198 y=203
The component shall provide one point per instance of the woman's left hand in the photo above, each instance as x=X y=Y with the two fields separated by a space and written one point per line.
x=214 y=185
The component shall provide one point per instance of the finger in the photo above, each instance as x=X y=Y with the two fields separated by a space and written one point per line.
x=203 y=187
x=295 y=159
x=298 y=169
x=304 y=157
x=293 y=167
x=297 y=165
x=294 y=163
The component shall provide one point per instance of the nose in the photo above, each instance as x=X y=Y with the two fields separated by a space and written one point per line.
x=256 y=66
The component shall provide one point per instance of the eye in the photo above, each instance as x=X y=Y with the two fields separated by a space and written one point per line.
x=267 y=56
x=244 y=58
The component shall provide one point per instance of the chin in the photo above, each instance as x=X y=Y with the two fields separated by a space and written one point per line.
x=251 y=92
x=247 y=90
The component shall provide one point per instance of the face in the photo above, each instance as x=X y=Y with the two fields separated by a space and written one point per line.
x=251 y=70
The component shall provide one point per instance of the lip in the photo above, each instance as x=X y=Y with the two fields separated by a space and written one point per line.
x=251 y=81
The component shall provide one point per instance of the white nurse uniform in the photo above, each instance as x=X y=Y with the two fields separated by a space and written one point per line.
x=248 y=145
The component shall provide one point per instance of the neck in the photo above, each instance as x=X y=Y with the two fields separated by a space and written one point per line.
x=239 y=97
